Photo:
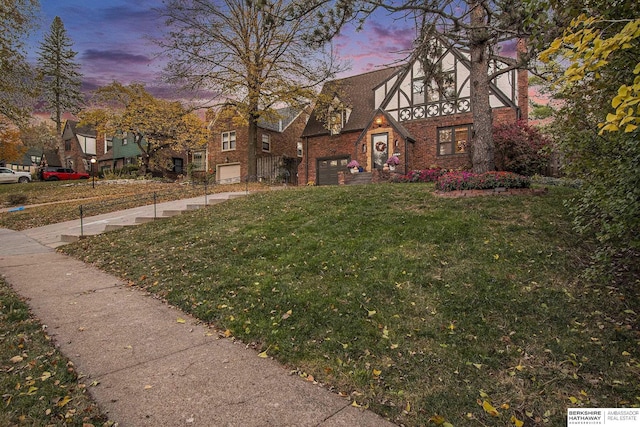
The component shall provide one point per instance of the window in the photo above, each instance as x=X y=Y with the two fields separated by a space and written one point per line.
x=418 y=91
x=198 y=161
x=229 y=140
x=67 y=145
x=36 y=160
x=266 y=142
x=337 y=117
x=300 y=152
x=454 y=140
x=444 y=88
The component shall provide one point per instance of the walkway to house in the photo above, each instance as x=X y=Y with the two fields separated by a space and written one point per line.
x=153 y=364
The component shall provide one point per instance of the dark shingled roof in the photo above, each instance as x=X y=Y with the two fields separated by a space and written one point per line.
x=284 y=117
x=81 y=130
x=357 y=92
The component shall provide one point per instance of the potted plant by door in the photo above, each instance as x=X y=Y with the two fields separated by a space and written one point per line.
x=392 y=162
x=353 y=165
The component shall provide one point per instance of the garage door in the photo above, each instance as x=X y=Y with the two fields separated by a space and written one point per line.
x=328 y=170
x=228 y=174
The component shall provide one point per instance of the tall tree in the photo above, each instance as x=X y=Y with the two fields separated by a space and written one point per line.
x=16 y=77
x=246 y=54
x=481 y=27
x=61 y=76
x=158 y=125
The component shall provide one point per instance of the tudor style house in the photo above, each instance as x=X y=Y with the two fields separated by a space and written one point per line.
x=401 y=112
x=278 y=153
x=81 y=144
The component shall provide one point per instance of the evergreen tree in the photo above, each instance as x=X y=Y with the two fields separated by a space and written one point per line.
x=61 y=79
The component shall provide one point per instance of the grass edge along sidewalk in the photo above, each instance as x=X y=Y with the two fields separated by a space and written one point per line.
x=421 y=308
x=40 y=386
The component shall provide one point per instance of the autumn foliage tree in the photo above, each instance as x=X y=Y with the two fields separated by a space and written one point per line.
x=597 y=126
x=159 y=126
x=11 y=148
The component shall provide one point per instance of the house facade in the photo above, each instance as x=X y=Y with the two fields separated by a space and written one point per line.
x=278 y=153
x=424 y=120
x=123 y=155
x=80 y=145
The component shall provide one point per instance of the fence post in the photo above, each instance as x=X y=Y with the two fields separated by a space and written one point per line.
x=205 y=190
x=81 y=222
x=155 y=200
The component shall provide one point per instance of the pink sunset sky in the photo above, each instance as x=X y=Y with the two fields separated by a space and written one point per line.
x=112 y=41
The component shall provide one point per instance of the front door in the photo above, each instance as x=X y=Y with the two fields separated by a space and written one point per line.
x=380 y=149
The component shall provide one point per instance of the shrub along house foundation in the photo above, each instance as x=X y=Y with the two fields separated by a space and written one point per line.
x=425 y=121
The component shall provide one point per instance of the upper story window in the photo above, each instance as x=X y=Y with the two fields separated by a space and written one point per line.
x=337 y=120
x=266 y=142
x=337 y=116
x=229 y=140
x=454 y=140
x=67 y=145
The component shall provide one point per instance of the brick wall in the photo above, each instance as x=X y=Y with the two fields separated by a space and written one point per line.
x=421 y=154
x=324 y=146
x=282 y=143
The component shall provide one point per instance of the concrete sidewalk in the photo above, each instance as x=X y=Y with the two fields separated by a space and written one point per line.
x=153 y=364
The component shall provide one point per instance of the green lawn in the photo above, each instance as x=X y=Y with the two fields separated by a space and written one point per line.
x=469 y=311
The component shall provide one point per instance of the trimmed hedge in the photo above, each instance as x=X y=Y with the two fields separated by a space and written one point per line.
x=453 y=181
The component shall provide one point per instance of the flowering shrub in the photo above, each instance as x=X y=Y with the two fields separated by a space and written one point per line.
x=520 y=148
x=353 y=164
x=393 y=161
x=452 y=181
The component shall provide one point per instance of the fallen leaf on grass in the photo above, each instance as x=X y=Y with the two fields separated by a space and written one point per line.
x=16 y=359
x=147 y=387
x=64 y=401
x=489 y=409
x=516 y=422
x=181 y=320
x=377 y=372
x=287 y=315
x=437 y=420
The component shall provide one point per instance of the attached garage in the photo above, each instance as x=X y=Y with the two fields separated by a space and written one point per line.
x=327 y=170
x=228 y=173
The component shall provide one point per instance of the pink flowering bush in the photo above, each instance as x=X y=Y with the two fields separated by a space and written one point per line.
x=453 y=181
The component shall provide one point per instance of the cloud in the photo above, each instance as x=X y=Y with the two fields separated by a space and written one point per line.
x=118 y=56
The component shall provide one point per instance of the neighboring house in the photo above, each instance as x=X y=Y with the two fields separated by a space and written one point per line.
x=400 y=112
x=34 y=158
x=278 y=153
x=80 y=144
x=123 y=152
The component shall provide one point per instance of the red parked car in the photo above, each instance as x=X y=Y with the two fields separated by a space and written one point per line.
x=55 y=174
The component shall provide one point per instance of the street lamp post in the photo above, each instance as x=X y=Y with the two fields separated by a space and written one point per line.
x=93 y=174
